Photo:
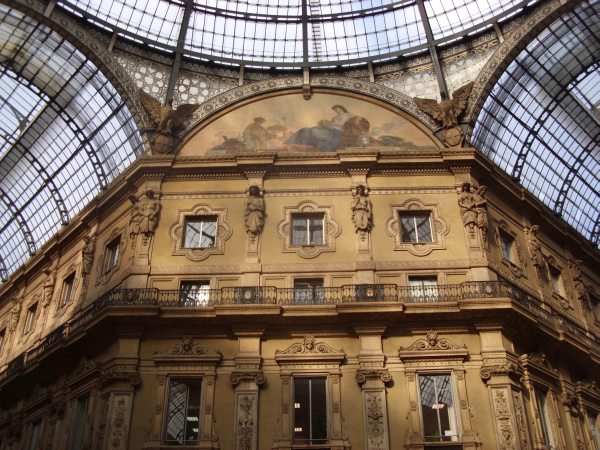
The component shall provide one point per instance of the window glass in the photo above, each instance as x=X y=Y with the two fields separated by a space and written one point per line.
x=594 y=423
x=36 y=430
x=80 y=423
x=437 y=408
x=308 y=229
x=557 y=281
x=67 y=290
x=111 y=256
x=195 y=293
x=415 y=227
x=507 y=246
x=310 y=409
x=2 y=335
x=423 y=288
x=308 y=290
x=30 y=318
x=200 y=232
x=183 y=411
x=544 y=413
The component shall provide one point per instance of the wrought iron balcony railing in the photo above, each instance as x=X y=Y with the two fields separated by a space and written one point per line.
x=268 y=295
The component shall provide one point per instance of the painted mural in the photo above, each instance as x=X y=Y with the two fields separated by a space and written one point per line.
x=325 y=123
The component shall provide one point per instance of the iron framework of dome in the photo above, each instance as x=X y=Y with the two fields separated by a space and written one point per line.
x=293 y=33
x=66 y=132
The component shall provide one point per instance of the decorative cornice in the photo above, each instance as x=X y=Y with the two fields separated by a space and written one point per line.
x=432 y=346
x=309 y=350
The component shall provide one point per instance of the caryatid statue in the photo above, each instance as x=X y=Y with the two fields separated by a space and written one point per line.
x=473 y=207
x=144 y=214
x=87 y=253
x=254 y=216
x=362 y=210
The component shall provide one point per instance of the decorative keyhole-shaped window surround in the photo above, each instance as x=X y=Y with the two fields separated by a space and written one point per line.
x=224 y=232
x=439 y=228
x=332 y=229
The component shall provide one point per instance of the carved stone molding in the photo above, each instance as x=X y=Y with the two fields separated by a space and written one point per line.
x=224 y=232
x=473 y=208
x=433 y=346
x=383 y=375
x=439 y=228
x=487 y=372
x=253 y=376
x=187 y=347
x=332 y=229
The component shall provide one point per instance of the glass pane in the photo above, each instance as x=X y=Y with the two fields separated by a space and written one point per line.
x=437 y=408
x=175 y=428
x=408 y=232
x=506 y=242
x=209 y=233
x=423 y=227
x=318 y=409
x=183 y=411
x=299 y=230
x=301 y=409
x=195 y=293
x=200 y=232
x=316 y=231
x=79 y=423
x=35 y=436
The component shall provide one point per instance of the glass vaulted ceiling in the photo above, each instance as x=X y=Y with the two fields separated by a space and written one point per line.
x=293 y=32
x=541 y=122
x=64 y=134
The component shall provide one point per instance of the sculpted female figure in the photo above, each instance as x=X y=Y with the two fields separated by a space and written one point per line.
x=362 y=210
x=254 y=216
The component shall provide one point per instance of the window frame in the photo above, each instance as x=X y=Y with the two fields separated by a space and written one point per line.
x=422 y=298
x=507 y=238
x=310 y=440
x=77 y=440
x=455 y=413
x=184 y=298
x=198 y=217
x=112 y=255
x=309 y=216
x=2 y=339
x=314 y=293
x=414 y=214
x=437 y=225
x=548 y=434
x=71 y=289
x=557 y=280
x=30 y=317
x=165 y=423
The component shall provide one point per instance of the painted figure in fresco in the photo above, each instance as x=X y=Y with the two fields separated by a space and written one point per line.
x=362 y=210
x=327 y=135
x=254 y=217
x=255 y=136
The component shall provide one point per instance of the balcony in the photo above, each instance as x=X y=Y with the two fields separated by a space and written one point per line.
x=362 y=295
